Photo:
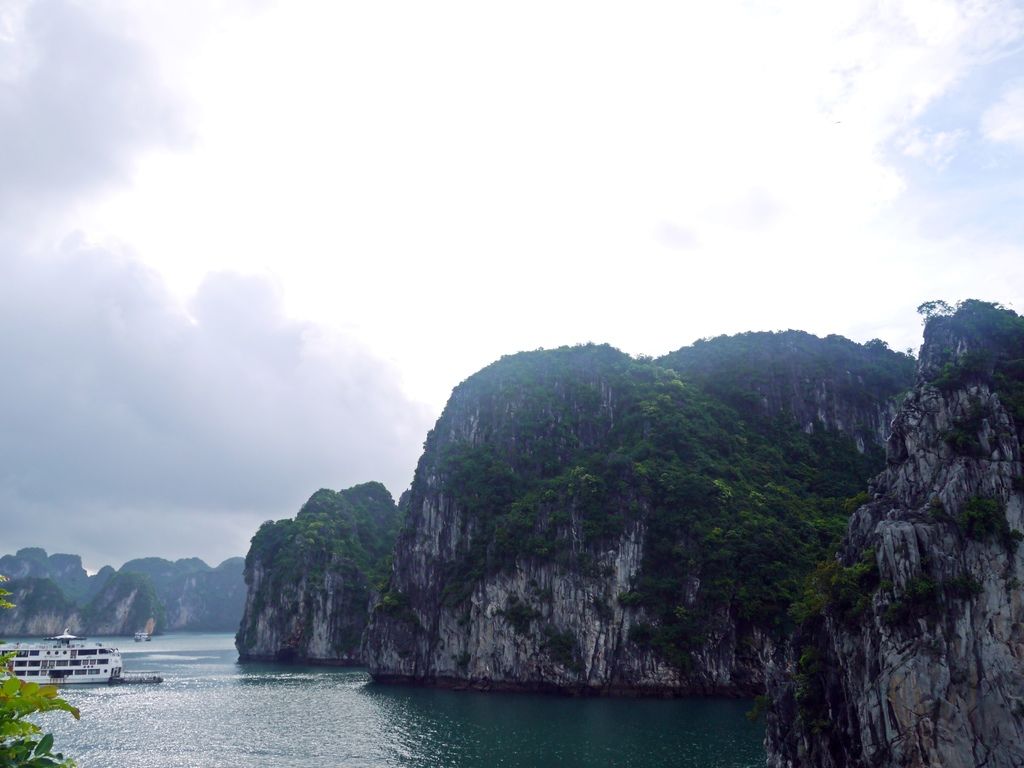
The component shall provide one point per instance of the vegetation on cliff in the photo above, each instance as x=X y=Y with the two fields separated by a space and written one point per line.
x=994 y=337
x=126 y=589
x=358 y=524
x=193 y=595
x=919 y=608
x=761 y=372
x=345 y=536
x=37 y=596
x=552 y=454
x=975 y=343
x=55 y=591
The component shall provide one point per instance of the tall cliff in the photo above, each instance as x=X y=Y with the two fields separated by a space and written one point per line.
x=310 y=580
x=127 y=604
x=65 y=571
x=912 y=648
x=40 y=608
x=195 y=596
x=581 y=520
x=830 y=383
x=54 y=591
x=124 y=605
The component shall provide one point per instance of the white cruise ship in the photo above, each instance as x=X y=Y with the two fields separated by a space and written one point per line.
x=65 y=660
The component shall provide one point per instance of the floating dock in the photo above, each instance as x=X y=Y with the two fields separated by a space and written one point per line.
x=139 y=679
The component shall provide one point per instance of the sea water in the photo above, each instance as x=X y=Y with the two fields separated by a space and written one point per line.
x=212 y=711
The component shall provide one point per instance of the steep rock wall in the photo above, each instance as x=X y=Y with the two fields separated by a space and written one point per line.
x=55 y=591
x=127 y=604
x=124 y=606
x=40 y=608
x=316 y=620
x=195 y=596
x=310 y=580
x=540 y=626
x=65 y=571
x=828 y=382
x=545 y=590
x=928 y=668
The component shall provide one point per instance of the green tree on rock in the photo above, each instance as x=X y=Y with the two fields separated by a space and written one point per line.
x=935 y=308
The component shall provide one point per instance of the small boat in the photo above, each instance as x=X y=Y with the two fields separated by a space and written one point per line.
x=140 y=636
x=65 y=660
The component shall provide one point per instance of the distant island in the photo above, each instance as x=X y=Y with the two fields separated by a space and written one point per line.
x=585 y=521
x=312 y=580
x=589 y=522
x=51 y=592
x=831 y=526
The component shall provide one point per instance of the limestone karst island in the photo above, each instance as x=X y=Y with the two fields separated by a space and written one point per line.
x=827 y=528
x=804 y=550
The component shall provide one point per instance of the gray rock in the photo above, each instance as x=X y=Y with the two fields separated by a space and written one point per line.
x=557 y=623
x=921 y=679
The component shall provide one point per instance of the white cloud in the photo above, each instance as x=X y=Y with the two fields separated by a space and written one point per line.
x=79 y=99
x=430 y=186
x=1004 y=120
x=117 y=402
x=468 y=164
x=936 y=148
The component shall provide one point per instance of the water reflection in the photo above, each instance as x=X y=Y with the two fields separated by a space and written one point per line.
x=445 y=728
x=212 y=711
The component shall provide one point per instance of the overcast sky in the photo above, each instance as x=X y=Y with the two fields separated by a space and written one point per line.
x=247 y=249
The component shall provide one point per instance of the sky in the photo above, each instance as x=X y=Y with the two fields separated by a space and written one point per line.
x=248 y=248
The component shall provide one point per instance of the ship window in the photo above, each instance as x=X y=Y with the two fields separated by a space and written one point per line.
x=21 y=663
x=22 y=653
x=80 y=671
x=33 y=653
x=33 y=663
x=93 y=671
x=87 y=652
x=75 y=663
x=33 y=673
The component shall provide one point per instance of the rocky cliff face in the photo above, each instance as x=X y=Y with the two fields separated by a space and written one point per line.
x=207 y=601
x=195 y=596
x=830 y=383
x=65 y=571
x=581 y=521
x=127 y=604
x=541 y=626
x=914 y=652
x=40 y=608
x=123 y=606
x=54 y=591
x=317 y=619
x=310 y=580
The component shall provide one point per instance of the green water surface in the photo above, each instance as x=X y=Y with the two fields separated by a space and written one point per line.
x=211 y=711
